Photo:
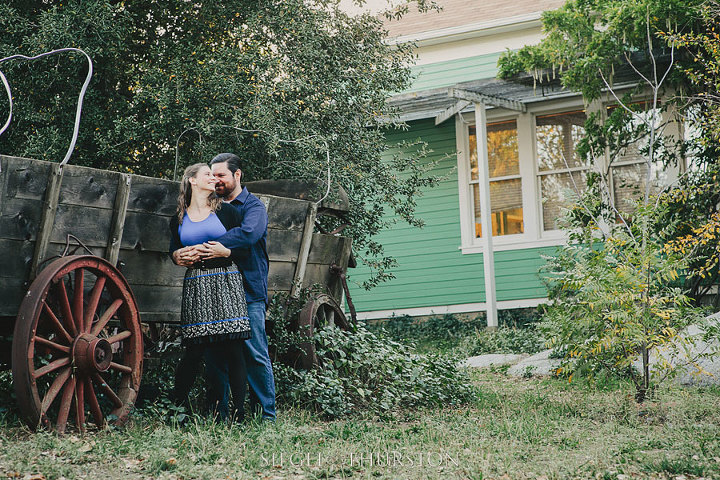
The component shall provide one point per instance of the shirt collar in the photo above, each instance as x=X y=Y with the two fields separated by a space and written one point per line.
x=242 y=196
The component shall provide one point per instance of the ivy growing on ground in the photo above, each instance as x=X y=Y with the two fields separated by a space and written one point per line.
x=362 y=372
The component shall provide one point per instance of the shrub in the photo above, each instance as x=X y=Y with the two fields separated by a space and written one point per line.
x=363 y=371
x=503 y=340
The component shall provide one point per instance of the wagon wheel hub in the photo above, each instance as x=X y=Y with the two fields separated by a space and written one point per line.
x=91 y=354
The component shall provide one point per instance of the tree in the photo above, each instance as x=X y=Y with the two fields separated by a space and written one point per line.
x=295 y=88
x=619 y=289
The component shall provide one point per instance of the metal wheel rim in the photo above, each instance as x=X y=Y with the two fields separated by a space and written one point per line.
x=320 y=311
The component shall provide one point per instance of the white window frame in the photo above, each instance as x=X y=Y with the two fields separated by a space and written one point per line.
x=533 y=235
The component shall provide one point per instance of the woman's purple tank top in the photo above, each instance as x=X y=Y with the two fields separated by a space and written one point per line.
x=192 y=233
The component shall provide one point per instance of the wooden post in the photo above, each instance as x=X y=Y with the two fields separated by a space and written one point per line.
x=50 y=203
x=304 y=251
x=112 y=251
x=485 y=214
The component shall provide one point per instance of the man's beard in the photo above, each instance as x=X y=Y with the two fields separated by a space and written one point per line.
x=224 y=189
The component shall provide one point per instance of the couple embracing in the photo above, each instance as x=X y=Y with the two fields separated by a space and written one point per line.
x=219 y=234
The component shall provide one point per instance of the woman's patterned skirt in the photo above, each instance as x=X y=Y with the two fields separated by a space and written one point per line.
x=213 y=306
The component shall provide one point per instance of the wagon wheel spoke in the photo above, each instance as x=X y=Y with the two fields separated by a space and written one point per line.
x=93 y=403
x=106 y=317
x=78 y=299
x=119 y=337
x=120 y=367
x=94 y=301
x=65 y=403
x=51 y=344
x=65 y=309
x=80 y=404
x=53 y=391
x=102 y=385
x=51 y=367
x=56 y=324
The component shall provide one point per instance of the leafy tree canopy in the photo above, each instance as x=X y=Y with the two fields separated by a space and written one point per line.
x=586 y=37
x=303 y=78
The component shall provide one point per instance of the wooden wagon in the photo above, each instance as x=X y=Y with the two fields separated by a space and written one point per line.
x=84 y=262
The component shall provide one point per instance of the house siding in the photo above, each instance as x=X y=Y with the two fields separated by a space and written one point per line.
x=444 y=74
x=431 y=270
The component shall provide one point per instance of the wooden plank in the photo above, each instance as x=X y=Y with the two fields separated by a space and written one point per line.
x=280 y=276
x=3 y=181
x=118 y=219
x=282 y=245
x=151 y=299
x=286 y=213
x=146 y=231
x=90 y=225
x=50 y=205
x=26 y=178
x=20 y=218
x=88 y=187
x=153 y=195
x=17 y=256
x=150 y=268
x=12 y=290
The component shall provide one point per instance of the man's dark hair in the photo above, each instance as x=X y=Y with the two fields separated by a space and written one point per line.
x=232 y=160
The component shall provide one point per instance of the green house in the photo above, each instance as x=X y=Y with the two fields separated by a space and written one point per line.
x=513 y=182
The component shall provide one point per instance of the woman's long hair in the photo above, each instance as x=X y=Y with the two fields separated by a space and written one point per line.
x=186 y=192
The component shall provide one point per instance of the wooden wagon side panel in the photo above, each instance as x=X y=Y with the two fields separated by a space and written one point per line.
x=94 y=205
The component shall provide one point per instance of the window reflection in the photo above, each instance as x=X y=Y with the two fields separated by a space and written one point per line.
x=505 y=182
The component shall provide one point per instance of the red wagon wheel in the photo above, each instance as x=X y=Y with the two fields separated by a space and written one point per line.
x=320 y=311
x=77 y=346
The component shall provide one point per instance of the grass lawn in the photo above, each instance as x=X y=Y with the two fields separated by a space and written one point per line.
x=517 y=428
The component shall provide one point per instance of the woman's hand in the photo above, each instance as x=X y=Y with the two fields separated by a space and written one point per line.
x=212 y=249
x=186 y=256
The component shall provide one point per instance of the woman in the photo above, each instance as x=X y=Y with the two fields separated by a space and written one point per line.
x=214 y=312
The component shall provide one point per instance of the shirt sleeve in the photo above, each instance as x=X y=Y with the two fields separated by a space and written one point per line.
x=174 y=236
x=250 y=230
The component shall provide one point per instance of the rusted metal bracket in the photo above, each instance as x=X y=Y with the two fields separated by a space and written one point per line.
x=50 y=204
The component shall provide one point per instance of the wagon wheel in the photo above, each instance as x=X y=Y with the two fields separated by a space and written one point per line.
x=77 y=346
x=320 y=311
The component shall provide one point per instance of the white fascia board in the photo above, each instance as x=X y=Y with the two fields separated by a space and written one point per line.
x=473 y=30
x=444 y=309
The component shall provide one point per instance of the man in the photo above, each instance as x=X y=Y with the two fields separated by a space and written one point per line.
x=251 y=235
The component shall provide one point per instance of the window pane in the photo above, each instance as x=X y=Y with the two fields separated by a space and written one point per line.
x=557 y=137
x=554 y=190
x=503 y=156
x=506 y=206
x=633 y=144
x=629 y=184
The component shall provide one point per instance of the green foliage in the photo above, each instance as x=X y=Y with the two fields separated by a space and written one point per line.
x=503 y=340
x=613 y=302
x=587 y=37
x=456 y=335
x=365 y=372
x=361 y=371
x=437 y=333
x=304 y=78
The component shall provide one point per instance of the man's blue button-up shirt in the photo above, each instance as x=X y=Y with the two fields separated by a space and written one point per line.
x=251 y=238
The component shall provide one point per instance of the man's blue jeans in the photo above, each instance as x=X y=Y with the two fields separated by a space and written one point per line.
x=257 y=363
